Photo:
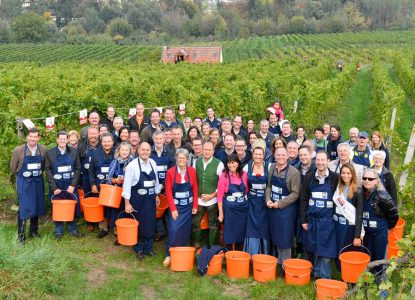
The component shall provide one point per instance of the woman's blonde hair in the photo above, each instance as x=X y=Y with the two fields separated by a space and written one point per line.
x=126 y=144
x=73 y=132
x=353 y=182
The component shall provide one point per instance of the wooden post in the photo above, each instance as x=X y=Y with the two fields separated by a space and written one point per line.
x=392 y=126
x=295 y=106
x=408 y=158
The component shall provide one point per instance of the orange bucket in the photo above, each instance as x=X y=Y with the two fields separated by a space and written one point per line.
x=63 y=210
x=264 y=266
x=162 y=206
x=110 y=195
x=297 y=271
x=93 y=212
x=81 y=197
x=215 y=265
x=353 y=264
x=237 y=264
x=127 y=231
x=204 y=223
x=397 y=232
x=328 y=289
x=392 y=251
x=182 y=258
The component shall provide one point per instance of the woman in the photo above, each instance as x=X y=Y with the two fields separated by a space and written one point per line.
x=124 y=134
x=385 y=176
x=335 y=140
x=257 y=235
x=379 y=215
x=187 y=124
x=205 y=130
x=232 y=203
x=192 y=133
x=181 y=192
x=348 y=216
x=319 y=140
x=122 y=157
x=377 y=143
x=214 y=138
x=250 y=126
x=278 y=142
x=300 y=137
x=73 y=139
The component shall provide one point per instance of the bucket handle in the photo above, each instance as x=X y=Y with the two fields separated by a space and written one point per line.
x=220 y=261
x=266 y=270
x=347 y=246
x=131 y=213
x=394 y=233
x=297 y=276
x=339 y=288
x=73 y=194
x=90 y=192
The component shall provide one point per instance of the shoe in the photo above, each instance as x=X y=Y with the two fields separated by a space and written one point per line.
x=140 y=255
x=90 y=228
x=34 y=234
x=58 y=237
x=22 y=241
x=151 y=254
x=166 y=261
x=77 y=234
x=102 y=233
x=116 y=243
x=157 y=238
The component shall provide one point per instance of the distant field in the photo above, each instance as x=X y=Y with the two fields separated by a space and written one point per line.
x=294 y=45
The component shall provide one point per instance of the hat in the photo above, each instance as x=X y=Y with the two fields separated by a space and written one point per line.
x=363 y=134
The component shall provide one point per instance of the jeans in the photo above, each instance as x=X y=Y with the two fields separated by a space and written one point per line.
x=322 y=267
x=212 y=212
x=21 y=227
x=283 y=254
x=161 y=227
x=144 y=245
x=73 y=227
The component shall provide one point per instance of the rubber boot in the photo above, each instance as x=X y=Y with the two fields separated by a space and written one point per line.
x=213 y=237
x=196 y=238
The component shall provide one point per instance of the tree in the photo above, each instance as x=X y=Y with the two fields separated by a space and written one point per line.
x=144 y=15
x=356 y=19
x=212 y=24
x=119 y=26
x=264 y=27
x=91 y=22
x=5 y=32
x=298 y=24
x=110 y=12
x=29 y=28
x=9 y=9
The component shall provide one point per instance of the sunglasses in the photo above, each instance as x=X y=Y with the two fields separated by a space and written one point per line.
x=368 y=178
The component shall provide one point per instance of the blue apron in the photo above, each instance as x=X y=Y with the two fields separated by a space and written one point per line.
x=376 y=231
x=30 y=187
x=85 y=162
x=320 y=238
x=102 y=166
x=281 y=222
x=257 y=213
x=143 y=200
x=344 y=230
x=180 y=229
x=63 y=172
x=235 y=213
x=163 y=164
x=318 y=148
x=361 y=159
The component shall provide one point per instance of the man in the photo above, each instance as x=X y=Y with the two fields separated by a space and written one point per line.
x=27 y=164
x=147 y=133
x=197 y=144
x=361 y=153
x=63 y=170
x=167 y=136
x=208 y=170
x=211 y=118
x=286 y=132
x=250 y=126
x=168 y=121
x=353 y=135
x=343 y=149
x=225 y=126
x=267 y=136
x=312 y=145
x=229 y=143
x=326 y=131
x=241 y=150
x=116 y=126
x=317 y=210
x=110 y=118
x=139 y=121
x=93 y=122
x=281 y=195
x=141 y=191
x=178 y=141
x=237 y=129
x=164 y=160
x=274 y=127
x=293 y=158
x=98 y=171
x=134 y=140
x=198 y=123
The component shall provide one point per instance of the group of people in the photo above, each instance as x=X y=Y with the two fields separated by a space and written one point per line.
x=275 y=191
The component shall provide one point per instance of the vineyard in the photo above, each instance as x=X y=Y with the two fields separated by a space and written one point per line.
x=48 y=80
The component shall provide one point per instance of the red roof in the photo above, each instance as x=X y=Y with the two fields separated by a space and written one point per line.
x=192 y=54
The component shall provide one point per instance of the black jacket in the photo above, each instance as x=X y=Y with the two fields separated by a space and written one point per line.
x=383 y=206
x=390 y=185
x=332 y=147
x=358 y=202
x=133 y=124
x=305 y=191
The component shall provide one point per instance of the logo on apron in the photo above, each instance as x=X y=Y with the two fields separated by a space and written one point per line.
x=142 y=192
x=27 y=174
x=100 y=176
x=86 y=166
x=57 y=176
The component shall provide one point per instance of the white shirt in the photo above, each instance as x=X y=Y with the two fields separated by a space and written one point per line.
x=321 y=179
x=132 y=175
x=33 y=151
x=335 y=166
x=245 y=169
x=219 y=171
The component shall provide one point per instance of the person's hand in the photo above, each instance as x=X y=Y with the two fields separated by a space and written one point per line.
x=175 y=215
x=341 y=201
x=94 y=189
x=128 y=208
x=70 y=189
x=270 y=204
x=194 y=211
x=275 y=205
x=305 y=226
x=357 y=242
x=220 y=218
x=57 y=192
x=206 y=197
x=157 y=200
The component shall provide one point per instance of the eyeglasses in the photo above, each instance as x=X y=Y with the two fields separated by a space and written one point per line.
x=368 y=178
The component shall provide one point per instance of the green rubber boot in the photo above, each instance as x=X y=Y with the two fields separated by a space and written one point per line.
x=213 y=234
x=196 y=238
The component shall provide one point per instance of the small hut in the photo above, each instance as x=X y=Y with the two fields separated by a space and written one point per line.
x=194 y=55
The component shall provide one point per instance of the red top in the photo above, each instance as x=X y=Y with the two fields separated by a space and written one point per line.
x=169 y=185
